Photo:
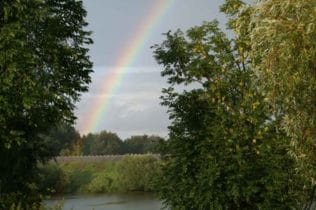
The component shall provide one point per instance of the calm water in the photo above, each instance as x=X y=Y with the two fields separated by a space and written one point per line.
x=133 y=201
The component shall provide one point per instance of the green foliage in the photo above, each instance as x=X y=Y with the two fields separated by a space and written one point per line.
x=108 y=143
x=283 y=43
x=87 y=142
x=105 y=181
x=8 y=202
x=129 y=174
x=226 y=150
x=142 y=144
x=58 y=206
x=78 y=179
x=52 y=179
x=280 y=35
x=137 y=173
x=62 y=139
x=103 y=143
x=44 y=67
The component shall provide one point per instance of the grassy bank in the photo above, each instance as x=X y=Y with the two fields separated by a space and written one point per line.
x=131 y=173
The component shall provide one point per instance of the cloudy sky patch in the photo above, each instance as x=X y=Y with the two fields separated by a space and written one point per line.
x=134 y=106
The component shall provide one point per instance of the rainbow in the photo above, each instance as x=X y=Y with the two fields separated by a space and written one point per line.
x=125 y=59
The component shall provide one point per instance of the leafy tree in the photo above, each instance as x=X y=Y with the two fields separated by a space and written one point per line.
x=43 y=69
x=142 y=144
x=63 y=138
x=284 y=54
x=106 y=143
x=225 y=149
x=280 y=37
x=155 y=145
x=87 y=142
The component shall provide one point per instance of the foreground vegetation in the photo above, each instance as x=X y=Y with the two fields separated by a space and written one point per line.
x=242 y=134
x=131 y=173
x=35 y=207
x=44 y=68
x=243 y=109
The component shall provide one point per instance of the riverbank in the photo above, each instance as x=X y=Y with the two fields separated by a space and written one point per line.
x=131 y=173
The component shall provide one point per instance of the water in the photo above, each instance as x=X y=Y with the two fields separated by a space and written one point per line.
x=132 y=201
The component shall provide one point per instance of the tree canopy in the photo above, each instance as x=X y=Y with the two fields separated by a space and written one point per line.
x=142 y=144
x=282 y=38
x=230 y=145
x=44 y=67
x=63 y=138
x=108 y=143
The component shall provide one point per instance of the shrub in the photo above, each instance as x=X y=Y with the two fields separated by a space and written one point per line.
x=52 y=179
x=136 y=173
x=104 y=182
x=78 y=177
x=132 y=173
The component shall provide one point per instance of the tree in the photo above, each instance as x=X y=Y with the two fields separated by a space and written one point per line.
x=225 y=149
x=281 y=45
x=142 y=144
x=63 y=138
x=87 y=142
x=106 y=143
x=282 y=37
x=44 y=67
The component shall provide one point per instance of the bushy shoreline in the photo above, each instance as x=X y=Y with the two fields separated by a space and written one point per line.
x=131 y=173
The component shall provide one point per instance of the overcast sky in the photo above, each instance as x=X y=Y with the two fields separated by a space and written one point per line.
x=134 y=107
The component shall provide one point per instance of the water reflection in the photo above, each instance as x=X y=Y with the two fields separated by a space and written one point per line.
x=130 y=201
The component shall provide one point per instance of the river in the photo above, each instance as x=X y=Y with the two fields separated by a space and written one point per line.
x=130 y=201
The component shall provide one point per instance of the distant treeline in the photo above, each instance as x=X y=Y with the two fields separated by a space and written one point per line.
x=66 y=140
x=97 y=158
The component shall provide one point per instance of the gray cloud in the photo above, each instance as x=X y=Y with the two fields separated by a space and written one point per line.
x=134 y=107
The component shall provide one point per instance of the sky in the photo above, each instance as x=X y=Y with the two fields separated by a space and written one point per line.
x=132 y=106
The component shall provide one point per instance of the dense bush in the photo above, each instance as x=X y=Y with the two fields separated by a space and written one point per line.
x=137 y=173
x=142 y=144
x=128 y=174
x=58 y=206
x=231 y=143
x=52 y=179
x=105 y=181
x=44 y=67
